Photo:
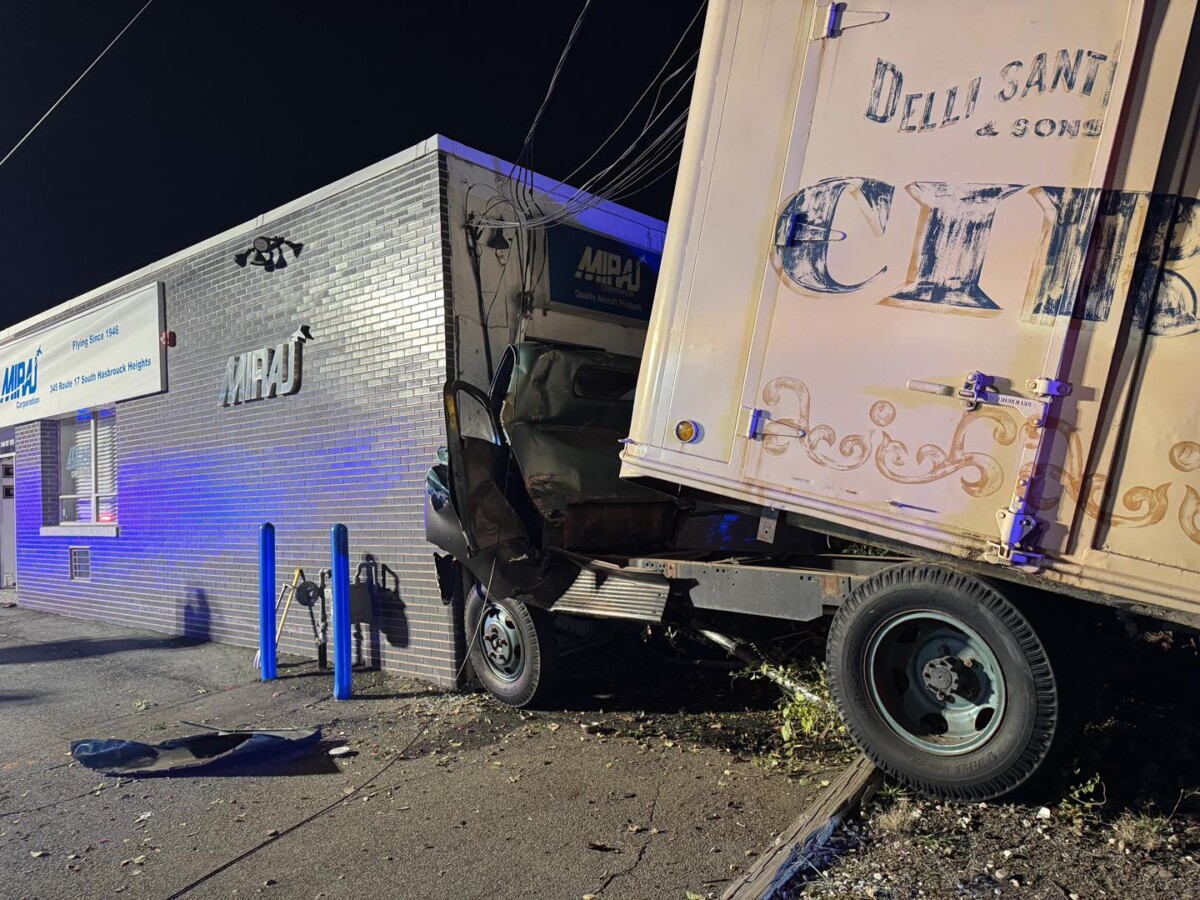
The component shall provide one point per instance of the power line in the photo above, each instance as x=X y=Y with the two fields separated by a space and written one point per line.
x=75 y=82
x=639 y=100
x=521 y=159
x=612 y=181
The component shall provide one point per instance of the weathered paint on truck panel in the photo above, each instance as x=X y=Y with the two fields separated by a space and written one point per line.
x=925 y=195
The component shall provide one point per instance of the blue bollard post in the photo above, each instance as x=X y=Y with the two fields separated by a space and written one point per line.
x=339 y=545
x=266 y=601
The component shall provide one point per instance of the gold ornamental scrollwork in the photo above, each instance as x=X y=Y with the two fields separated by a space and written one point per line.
x=1185 y=457
x=817 y=441
x=935 y=463
x=1146 y=505
x=980 y=473
x=983 y=475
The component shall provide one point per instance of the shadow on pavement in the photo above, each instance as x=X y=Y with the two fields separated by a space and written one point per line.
x=10 y=697
x=630 y=675
x=81 y=648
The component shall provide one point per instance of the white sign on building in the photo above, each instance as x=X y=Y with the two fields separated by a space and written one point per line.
x=108 y=354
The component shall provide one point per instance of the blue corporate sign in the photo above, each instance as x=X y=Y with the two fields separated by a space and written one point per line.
x=108 y=354
x=601 y=275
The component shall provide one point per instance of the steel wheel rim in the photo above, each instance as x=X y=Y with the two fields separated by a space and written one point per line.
x=926 y=690
x=501 y=641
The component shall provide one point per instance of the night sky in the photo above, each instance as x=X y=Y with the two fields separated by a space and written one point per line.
x=207 y=113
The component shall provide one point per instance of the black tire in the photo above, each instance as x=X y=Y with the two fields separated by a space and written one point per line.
x=522 y=678
x=871 y=669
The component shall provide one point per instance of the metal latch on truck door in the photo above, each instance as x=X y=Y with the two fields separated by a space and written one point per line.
x=1017 y=525
x=979 y=389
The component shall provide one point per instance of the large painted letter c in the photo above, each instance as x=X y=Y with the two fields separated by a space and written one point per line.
x=805 y=228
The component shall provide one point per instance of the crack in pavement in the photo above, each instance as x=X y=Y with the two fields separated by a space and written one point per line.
x=645 y=844
x=340 y=802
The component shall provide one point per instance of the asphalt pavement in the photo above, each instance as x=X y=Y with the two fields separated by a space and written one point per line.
x=627 y=791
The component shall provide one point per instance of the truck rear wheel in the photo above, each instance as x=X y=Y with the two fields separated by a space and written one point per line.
x=943 y=682
x=513 y=648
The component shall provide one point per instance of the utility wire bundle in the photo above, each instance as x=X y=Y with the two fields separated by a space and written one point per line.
x=649 y=157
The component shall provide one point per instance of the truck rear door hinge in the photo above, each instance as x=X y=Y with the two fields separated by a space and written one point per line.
x=791 y=229
x=1016 y=528
x=752 y=422
x=831 y=21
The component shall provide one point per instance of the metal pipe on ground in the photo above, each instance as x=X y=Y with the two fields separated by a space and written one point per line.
x=743 y=651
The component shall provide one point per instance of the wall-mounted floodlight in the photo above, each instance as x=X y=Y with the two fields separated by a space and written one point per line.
x=268 y=252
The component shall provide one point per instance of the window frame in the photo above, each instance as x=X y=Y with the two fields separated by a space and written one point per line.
x=73 y=569
x=94 y=498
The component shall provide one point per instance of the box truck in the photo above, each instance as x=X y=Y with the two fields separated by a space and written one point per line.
x=929 y=287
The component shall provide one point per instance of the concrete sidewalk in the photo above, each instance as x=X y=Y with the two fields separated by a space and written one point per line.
x=449 y=795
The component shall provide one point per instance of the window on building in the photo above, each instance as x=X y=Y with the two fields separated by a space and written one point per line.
x=80 y=563
x=87 y=458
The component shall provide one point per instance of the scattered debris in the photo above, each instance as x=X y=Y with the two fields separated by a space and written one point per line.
x=602 y=848
x=193 y=752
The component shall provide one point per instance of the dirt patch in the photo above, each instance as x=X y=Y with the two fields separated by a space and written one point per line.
x=915 y=847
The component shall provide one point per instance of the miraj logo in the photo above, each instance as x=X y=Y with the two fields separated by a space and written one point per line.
x=21 y=379
x=611 y=269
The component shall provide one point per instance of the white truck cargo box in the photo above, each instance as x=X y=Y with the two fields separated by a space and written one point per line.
x=930 y=277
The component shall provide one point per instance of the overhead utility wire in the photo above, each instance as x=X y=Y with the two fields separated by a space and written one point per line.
x=526 y=147
x=599 y=189
x=75 y=82
x=645 y=174
x=595 y=190
x=638 y=102
x=638 y=171
x=595 y=185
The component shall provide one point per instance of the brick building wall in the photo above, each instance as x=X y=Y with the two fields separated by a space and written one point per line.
x=196 y=479
x=383 y=252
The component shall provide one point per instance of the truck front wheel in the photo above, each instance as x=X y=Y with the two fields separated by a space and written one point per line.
x=512 y=647
x=943 y=682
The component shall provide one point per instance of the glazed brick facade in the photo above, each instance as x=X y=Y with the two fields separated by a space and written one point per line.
x=195 y=479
